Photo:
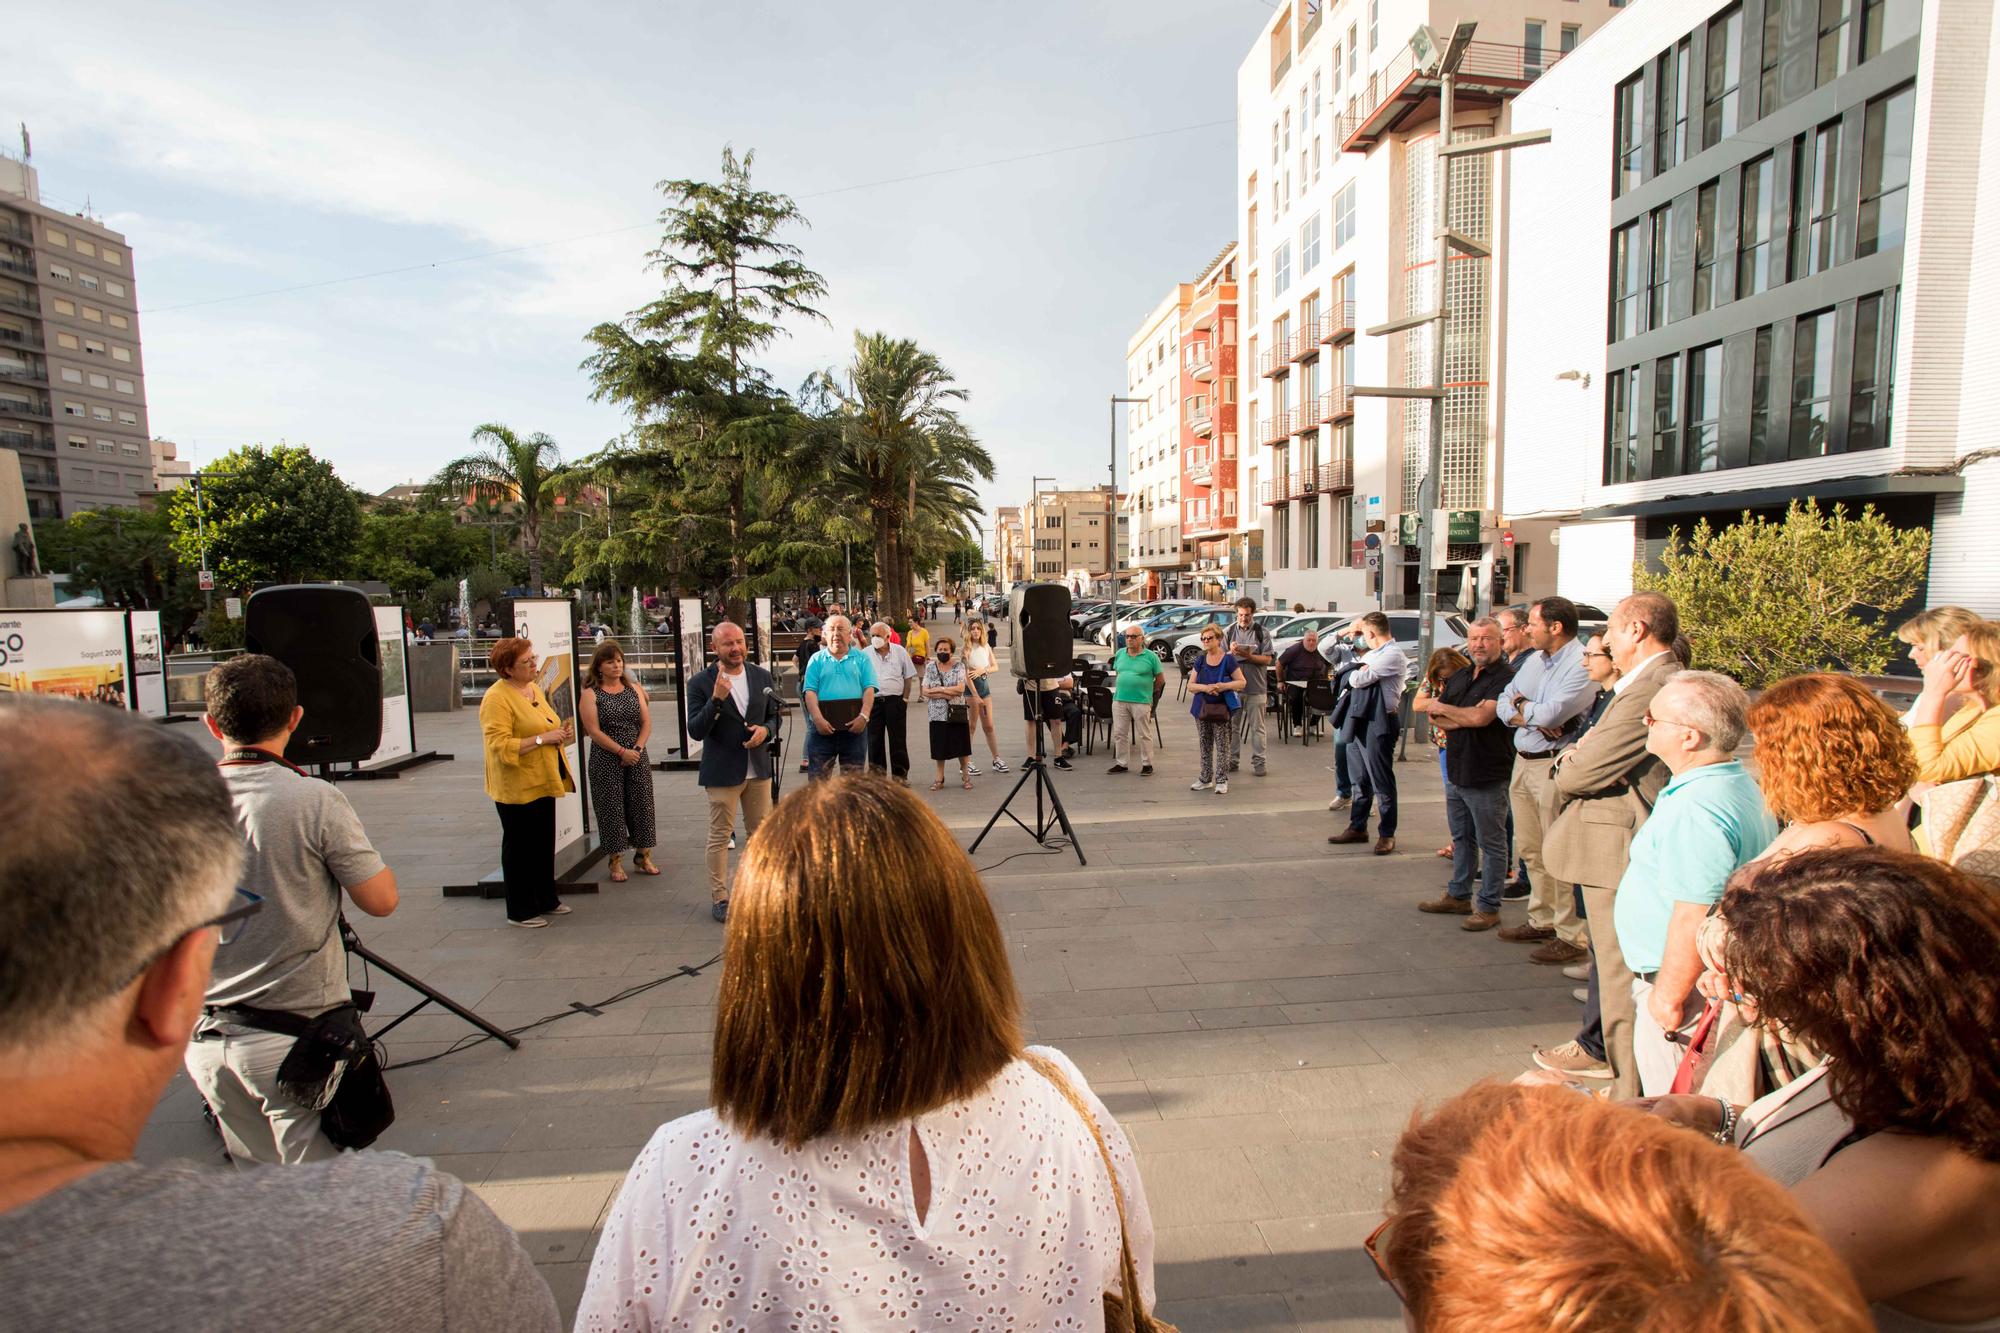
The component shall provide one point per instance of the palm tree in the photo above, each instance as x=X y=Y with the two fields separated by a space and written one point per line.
x=902 y=453
x=525 y=472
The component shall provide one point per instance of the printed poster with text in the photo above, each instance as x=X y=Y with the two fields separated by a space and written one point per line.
x=69 y=654
x=398 y=736
x=149 y=665
x=546 y=623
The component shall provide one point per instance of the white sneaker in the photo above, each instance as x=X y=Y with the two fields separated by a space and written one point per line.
x=1577 y=971
x=1199 y=786
x=999 y=765
x=732 y=842
x=1222 y=789
x=972 y=770
x=531 y=923
x=1580 y=995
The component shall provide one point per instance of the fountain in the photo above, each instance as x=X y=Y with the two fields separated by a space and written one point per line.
x=637 y=624
x=465 y=606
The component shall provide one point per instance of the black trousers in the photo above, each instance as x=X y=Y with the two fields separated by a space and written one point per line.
x=889 y=736
x=528 y=856
x=1375 y=783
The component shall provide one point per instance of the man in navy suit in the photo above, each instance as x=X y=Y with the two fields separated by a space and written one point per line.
x=733 y=710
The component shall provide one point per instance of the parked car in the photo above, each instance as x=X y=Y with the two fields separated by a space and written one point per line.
x=1139 y=615
x=1187 y=646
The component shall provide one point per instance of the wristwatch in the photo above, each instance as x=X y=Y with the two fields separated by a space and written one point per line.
x=538 y=742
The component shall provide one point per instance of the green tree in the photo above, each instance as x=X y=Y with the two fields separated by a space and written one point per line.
x=409 y=549
x=268 y=515
x=526 y=472
x=899 y=448
x=1763 y=600
x=966 y=562
x=684 y=365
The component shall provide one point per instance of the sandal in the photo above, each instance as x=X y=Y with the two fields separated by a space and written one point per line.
x=968 y=783
x=643 y=863
x=618 y=875
x=1445 y=851
x=938 y=785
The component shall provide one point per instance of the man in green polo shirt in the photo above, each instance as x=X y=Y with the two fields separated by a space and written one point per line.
x=1710 y=819
x=1132 y=701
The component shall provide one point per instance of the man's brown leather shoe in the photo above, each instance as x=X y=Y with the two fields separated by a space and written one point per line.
x=1446 y=906
x=1558 y=951
x=1348 y=835
x=1480 y=921
x=1383 y=846
x=1526 y=934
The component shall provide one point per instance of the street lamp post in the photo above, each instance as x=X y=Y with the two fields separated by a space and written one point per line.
x=1111 y=539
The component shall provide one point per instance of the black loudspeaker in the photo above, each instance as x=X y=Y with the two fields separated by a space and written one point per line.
x=326 y=635
x=1041 y=645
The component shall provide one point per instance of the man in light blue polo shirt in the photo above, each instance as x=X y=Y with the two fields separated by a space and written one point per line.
x=1710 y=820
x=839 y=690
x=1545 y=704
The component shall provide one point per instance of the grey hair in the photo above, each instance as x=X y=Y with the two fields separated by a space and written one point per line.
x=1712 y=704
x=121 y=838
x=1485 y=622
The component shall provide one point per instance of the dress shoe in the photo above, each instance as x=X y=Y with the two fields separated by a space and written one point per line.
x=1577 y=971
x=1558 y=951
x=1383 y=846
x=1348 y=835
x=1446 y=906
x=1480 y=921
x=1570 y=1058
x=1527 y=934
x=1514 y=891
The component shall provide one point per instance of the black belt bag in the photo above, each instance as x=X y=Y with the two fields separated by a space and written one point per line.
x=332 y=1068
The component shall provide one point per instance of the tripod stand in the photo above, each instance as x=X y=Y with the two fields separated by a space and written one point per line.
x=1036 y=769
x=354 y=946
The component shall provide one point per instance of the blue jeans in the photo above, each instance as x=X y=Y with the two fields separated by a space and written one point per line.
x=1478 y=820
x=849 y=747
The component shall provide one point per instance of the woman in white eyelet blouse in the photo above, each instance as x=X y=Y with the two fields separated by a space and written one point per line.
x=879 y=1156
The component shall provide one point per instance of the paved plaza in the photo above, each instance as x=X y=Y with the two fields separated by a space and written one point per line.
x=1261 y=1011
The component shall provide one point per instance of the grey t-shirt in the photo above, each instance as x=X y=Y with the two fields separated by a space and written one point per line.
x=367 y=1243
x=305 y=845
x=1255 y=639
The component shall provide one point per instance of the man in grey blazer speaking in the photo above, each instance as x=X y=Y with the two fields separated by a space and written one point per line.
x=733 y=710
x=1599 y=792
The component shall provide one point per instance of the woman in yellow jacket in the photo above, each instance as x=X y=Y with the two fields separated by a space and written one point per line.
x=1966 y=744
x=525 y=773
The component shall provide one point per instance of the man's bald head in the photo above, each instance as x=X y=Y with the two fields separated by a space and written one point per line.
x=728 y=642
x=120 y=838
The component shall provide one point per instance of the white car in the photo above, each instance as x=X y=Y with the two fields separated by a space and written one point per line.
x=1139 y=615
x=1404 y=625
x=1188 y=646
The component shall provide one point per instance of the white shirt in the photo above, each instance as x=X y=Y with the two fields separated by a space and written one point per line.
x=1618 y=686
x=739 y=688
x=978 y=659
x=713 y=1231
x=894 y=669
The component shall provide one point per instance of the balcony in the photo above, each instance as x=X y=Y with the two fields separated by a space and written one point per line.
x=1401 y=92
x=1200 y=469
x=1337 y=403
x=1335 y=476
x=1305 y=343
x=1276 y=363
x=15 y=338
x=1277 y=428
x=1200 y=361
x=21 y=439
x=1276 y=491
x=1306 y=420
x=31 y=410
x=1202 y=422
x=24 y=376
x=20 y=269
x=1337 y=324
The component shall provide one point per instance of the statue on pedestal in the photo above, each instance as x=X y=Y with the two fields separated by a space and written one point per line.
x=27 y=562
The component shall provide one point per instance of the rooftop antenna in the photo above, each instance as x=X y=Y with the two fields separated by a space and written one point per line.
x=27 y=145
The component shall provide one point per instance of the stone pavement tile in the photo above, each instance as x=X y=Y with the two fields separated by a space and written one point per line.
x=1307 y=1044
x=1128 y=1101
x=1114 y=970
x=553 y=1218
x=1092 y=1003
x=1325 y=1249
x=572 y=1040
x=592 y=1126
x=1230 y=1314
x=560 y=1164
x=1102 y=1059
x=1215 y=995
x=1203 y=1186
x=1348 y=1089
x=1324 y=1175
x=1112 y=1025
x=1186 y=1135
x=1260 y=1016
x=470 y=1167
x=1362 y=1307
x=1271 y=934
x=673 y=1018
x=1423 y=980
x=1274 y=964
x=445 y=1135
x=566 y=1283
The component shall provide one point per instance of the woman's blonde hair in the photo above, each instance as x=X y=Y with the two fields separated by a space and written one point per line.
x=1515 y=1209
x=1937 y=627
x=864 y=977
x=1982 y=641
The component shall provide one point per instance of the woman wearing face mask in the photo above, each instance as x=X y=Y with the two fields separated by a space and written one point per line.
x=979 y=704
x=951 y=729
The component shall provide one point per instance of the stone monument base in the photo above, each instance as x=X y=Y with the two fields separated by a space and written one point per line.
x=35 y=593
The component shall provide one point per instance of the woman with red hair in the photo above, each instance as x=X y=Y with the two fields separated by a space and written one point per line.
x=1834 y=763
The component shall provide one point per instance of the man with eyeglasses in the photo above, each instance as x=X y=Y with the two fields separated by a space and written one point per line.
x=120 y=866
x=305 y=846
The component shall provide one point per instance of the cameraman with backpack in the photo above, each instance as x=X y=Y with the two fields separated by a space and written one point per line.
x=305 y=846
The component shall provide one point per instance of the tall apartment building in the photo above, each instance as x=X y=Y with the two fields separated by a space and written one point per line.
x=1337 y=163
x=1077 y=537
x=1218 y=551
x=1157 y=434
x=1010 y=546
x=72 y=385
x=1774 y=233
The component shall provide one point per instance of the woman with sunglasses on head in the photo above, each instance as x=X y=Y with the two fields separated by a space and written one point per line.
x=1216 y=684
x=1535 y=1210
x=1889 y=963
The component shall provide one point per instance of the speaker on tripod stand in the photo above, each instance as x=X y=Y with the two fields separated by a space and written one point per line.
x=326 y=635
x=1039 y=647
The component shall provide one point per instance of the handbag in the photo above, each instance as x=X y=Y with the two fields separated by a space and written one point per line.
x=1214 y=708
x=1700 y=1050
x=333 y=1067
x=1123 y=1311
x=1962 y=825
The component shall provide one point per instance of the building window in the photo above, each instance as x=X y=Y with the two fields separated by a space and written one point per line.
x=64 y=306
x=1704 y=410
x=1281 y=529
x=118 y=321
x=1315 y=159
x=1760 y=398
x=84 y=247
x=1281 y=270
x=1531 y=49
x=1671 y=108
x=98 y=381
x=107 y=446
x=1630 y=167
x=1309 y=529
x=100 y=414
x=1868 y=405
x=128 y=418
x=1887 y=23
x=1274 y=148
x=59 y=273
x=87 y=281
x=57 y=236
x=1812 y=384
x=1353 y=51
x=1833 y=19
x=1724 y=77
x=1705 y=294
x=93 y=314
x=1343 y=215
x=1885 y=171
x=1571 y=35
x=1374 y=25
x=1309 y=245
x=67 y=341
x=1768 y=88
x=114 y=288
x=123 y=386
x=1666 y=416
x=74 y=409
x=79 y=441
x=1662 y=267
x=111 y=256
x=129 y=448
x=1754 y=227
x=1628 y=282
x=1815 y=171
x=1316 y=90
x=121 y=354
x=1621 y=434
x=71 y=375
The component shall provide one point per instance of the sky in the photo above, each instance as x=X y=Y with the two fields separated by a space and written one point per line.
x=314 y=199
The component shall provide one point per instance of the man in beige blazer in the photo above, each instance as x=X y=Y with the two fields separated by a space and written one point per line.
x=1599 y=792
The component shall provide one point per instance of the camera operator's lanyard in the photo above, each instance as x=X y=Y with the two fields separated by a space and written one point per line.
x=247 y=758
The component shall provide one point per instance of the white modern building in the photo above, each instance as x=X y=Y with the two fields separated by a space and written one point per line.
x=1336 y=166
x=1153 y=448
x=1747 y=269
